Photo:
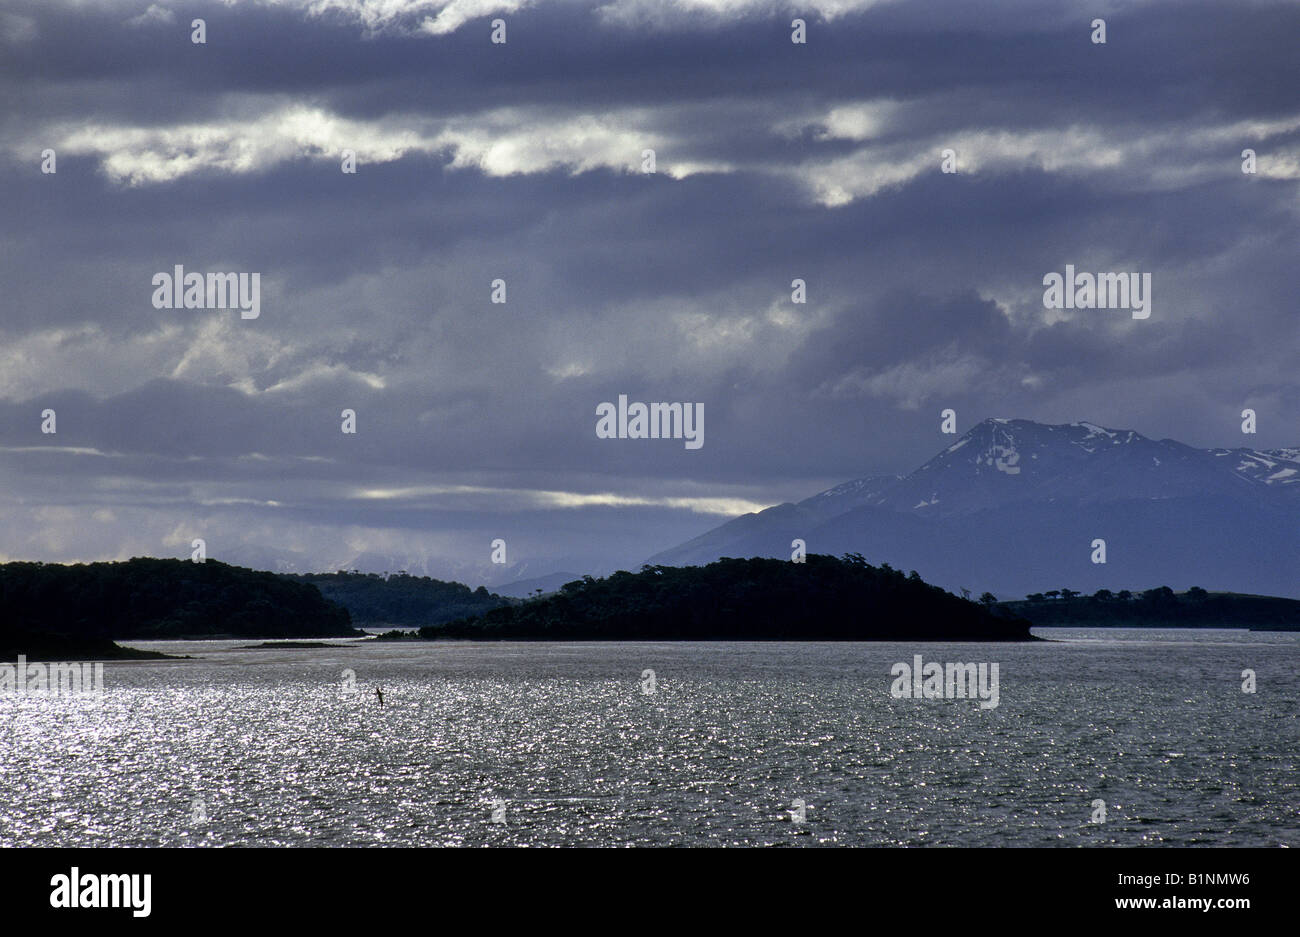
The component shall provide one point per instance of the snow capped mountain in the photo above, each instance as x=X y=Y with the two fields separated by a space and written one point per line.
x=1014 y=504
x=1000 y=462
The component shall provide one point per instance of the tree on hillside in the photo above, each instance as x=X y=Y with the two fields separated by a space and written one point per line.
x=826 y=599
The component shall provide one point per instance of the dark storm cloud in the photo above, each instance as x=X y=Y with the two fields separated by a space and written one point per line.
x=522 y=162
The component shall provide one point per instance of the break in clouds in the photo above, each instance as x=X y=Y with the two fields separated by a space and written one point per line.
x=501 y=262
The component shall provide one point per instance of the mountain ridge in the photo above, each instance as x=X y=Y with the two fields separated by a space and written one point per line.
x=1022 y=480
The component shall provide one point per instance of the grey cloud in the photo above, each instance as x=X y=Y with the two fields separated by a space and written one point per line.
x=924 y=289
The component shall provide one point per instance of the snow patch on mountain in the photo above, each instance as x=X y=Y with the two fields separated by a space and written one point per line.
x=1170 y=513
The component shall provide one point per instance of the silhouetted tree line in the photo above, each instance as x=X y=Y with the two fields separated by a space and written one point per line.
x=151 y=598
x=1155 y=607
x=824 y=598
x=401 y=599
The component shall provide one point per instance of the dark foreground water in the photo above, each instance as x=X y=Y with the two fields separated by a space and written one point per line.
x=547 y=744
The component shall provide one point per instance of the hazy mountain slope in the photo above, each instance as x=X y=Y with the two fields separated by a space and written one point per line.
x=1013 y=506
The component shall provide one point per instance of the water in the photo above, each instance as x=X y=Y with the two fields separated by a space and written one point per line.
x=561 y=743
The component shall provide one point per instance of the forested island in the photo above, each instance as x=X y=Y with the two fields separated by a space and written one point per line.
x=1158 y=608
x=55 y=612
x=400 y=599
x=94 y=604
x=822 y=599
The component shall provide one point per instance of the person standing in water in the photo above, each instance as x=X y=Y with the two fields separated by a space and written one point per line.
x=380 y=694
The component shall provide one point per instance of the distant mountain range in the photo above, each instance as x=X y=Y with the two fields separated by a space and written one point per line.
x=1013 y=507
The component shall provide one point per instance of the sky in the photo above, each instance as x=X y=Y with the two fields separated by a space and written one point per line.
x=524 y=161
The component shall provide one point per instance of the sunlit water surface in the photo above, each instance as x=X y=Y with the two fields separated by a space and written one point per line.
x=547 y=744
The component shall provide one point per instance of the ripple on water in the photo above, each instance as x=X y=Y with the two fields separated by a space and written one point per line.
x=560 y=743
